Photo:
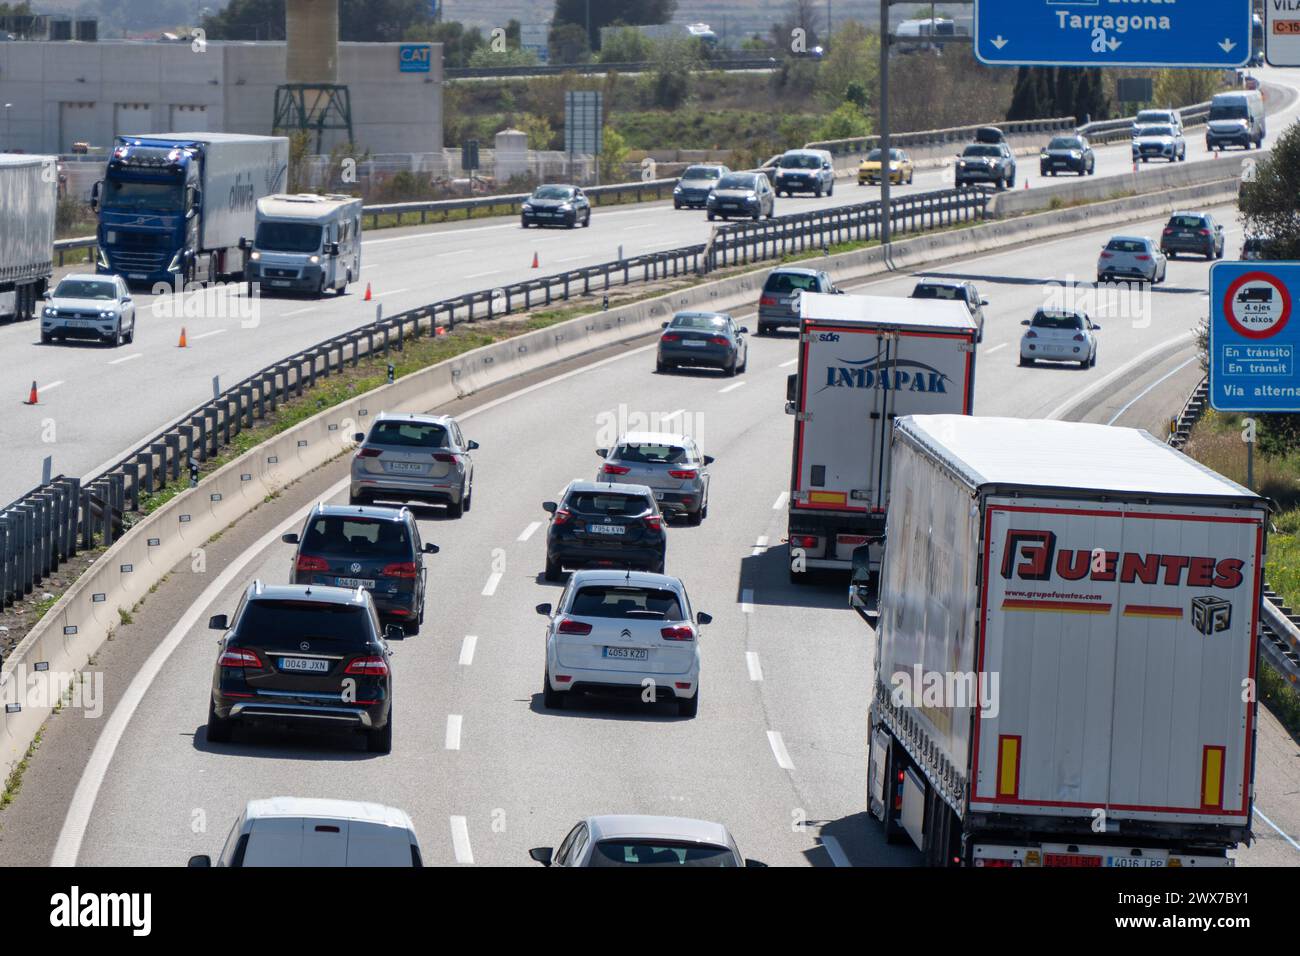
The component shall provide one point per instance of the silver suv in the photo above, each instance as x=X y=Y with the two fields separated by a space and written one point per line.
x=414 y=458
x=669 y=465
x=805 y=171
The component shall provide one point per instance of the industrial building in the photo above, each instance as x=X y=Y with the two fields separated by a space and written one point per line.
x=54 y=94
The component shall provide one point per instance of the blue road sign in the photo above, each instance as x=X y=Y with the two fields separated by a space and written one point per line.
x=1199 y=33
x=1254 y=337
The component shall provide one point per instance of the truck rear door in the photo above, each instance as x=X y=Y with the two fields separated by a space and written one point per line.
x=1116 y=648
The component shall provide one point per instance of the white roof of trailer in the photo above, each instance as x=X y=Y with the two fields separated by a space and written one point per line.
x=1076 y=456
x=873 y=310
x=304 y=206
x=199 y=137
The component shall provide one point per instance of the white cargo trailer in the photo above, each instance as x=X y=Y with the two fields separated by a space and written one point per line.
x=863 y=361
x=29 y=205
x=1066 y=648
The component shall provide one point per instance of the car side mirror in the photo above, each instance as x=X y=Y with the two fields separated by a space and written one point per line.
x=334 y=248
x=663 y=325
x=791 y=386
x=94 y=196
x=702 y=618
x=744 y=329
x=1096 y=328
x=550 y=507
x=709 y=459
x=243 y=243
x=541 y=854
x=1024 y=321
x=543 y=609
x=431 y=549
x=602 y=452
x=219 y=622
x=756 y=863
x=203 y=860
x=359 y=436
x=472 y=445
x=290 y=538
x=984 y=301
x=393 y=632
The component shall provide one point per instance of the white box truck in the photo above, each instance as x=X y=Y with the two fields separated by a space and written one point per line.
x=1066 y=648
x=863 y=361
x=29 y=205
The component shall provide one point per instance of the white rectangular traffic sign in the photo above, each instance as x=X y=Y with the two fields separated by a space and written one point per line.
x=1282 y=32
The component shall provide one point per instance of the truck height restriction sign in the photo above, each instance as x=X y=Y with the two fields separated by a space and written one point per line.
x=1253 y=342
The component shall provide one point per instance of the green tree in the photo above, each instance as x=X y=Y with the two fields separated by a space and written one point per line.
x=541 y=135
x=1175 y=88
x=608 y=13
x=845 y=122
x=375 y=21
x=511 y=56
x=568 y=43
x=854 y=58
x=626 y=46
x=612 y=156
x=674 y=62
x=458 y=44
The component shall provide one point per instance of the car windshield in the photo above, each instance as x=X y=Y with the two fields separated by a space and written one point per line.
x=982 y=151
x=85 y=289
x=789 y=282
x=1064 y=142
x=736 y=181
x=930 y=291
x=1126 y=245
x=334 y=534
x=1224 y=111
x=1155 y=131
x=702 y=172
x=655 y=604
x=305 y=619
x=553 y=192
x=659 y=853
x=288 y=236
x=1057 y=320
x=650 y=454
x=142 y=197
x=894 y=155
x=1151 y=116
x=408 y=434
x=602 y=503
x=1186 y=222
x=801 y=161
x=708 y=323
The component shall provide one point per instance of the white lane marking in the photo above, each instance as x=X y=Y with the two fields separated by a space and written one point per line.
x=759 y=546
x=1081 y=397
x=1285 y=836
x=571 y=259
x=460 y=840
x=648 y=225
x=1150 y=388
x=731 y=388
x=380 y=295
x=453 y=731
x=755 y=668
x=528 y=532
x=778 y=751
x=747 y=601
x=458 y=252
x=781 y=499
x=493 y=580
x=835 y=851
x=208 y=335
x=987 y=352
x=312 y=308
x=467 y=650
x=480 y=275
x=672 y=415
x=51 y=386
x=126 y=358
x=788 y=364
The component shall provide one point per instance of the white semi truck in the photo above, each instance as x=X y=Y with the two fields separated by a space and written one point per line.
x=28 y=209
x=1065 y=648
x=864 y=361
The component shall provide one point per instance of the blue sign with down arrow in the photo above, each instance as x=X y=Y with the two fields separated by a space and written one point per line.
x=1151 y=33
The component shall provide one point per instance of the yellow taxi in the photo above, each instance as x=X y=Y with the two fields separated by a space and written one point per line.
x=900 y=168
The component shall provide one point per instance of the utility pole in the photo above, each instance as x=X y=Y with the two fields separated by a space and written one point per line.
x=884 y=125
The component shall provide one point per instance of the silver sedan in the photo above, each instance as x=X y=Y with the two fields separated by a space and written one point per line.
x=670 y=465
x=414 y=458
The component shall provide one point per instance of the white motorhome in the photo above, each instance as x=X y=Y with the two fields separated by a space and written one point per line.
x=305 y=243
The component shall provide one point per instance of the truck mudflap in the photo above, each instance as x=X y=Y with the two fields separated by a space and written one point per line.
x=1079 y=855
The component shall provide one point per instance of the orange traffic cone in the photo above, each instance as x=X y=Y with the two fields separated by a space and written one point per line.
x=536 y=264
x=31 y=398
x=440 y=330
x=367 y=298
x=181 y=344
x=1026 y=182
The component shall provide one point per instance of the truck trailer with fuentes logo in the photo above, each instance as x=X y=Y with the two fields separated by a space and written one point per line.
x=1066 y=648
x=173 y=207
x=864 y=361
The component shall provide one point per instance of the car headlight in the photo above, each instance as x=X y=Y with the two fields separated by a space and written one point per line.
x=677 y=188
x=314 y=259
x=108 y=316
x=750 y=197
x=50 y=312
x=255 y=256
x=1075 y=154
x=528 y=207
x=566 y=207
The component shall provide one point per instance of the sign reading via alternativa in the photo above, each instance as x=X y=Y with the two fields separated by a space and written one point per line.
x=1254 y=343
x=1154 y=33
x=1282 y=32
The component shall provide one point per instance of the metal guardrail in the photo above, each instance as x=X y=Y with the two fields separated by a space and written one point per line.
x=50 y=524
x=955 y=134
x=1279 y=629
x=599 y=69
x=1110 y=131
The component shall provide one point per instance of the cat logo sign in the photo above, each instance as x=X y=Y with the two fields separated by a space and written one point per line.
x=415 y=57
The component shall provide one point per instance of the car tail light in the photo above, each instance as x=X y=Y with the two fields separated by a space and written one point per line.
x=1168 y=231
x=804 y=541
x=670 y=337
x=1204 y=232
x=1078 y=337
x=369 y=453
x=1107 y=255
x=683 y=475
x=654 y=523
x=368 y=667
x=561 y=517
x=678 y=632
x=1031 y=334
x=444 y=456
x=570 y=626
x=767 y=300
x=238 y=657
x=615 y=470
x=307 y=562
x=1144 y=258
x=400 y=569
x=719 y=340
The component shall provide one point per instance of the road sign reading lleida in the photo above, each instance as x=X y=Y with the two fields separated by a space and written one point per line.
x=1282 y=32
x=1192 y=33
x=1254 y=342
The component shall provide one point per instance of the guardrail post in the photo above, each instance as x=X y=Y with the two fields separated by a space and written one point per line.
x=401 y=343
x=199 y=421
x=147 y=457
x=174 y=448
x=87 y=521
x=6 y=562
x=43 y=536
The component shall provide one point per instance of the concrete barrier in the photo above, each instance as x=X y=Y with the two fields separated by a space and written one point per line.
x=70 y=633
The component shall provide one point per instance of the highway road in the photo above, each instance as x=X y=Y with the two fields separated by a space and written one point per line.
x=778 y=749
x=96 y=404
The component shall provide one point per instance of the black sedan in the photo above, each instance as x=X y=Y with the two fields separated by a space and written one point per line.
x=1067 y=154
x=708 y=339
x=556 y=206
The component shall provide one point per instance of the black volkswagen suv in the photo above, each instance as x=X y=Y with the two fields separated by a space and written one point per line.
x=378 y=549
x=598 y=524
x=303 y=655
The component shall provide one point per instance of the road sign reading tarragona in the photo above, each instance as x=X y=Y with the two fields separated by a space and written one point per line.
x=1254 y=337
x=1190 y=33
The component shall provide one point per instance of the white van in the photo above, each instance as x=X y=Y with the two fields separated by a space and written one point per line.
x=304 y=831
x=305 y=243
x=1236 y=119
x=805 y=171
